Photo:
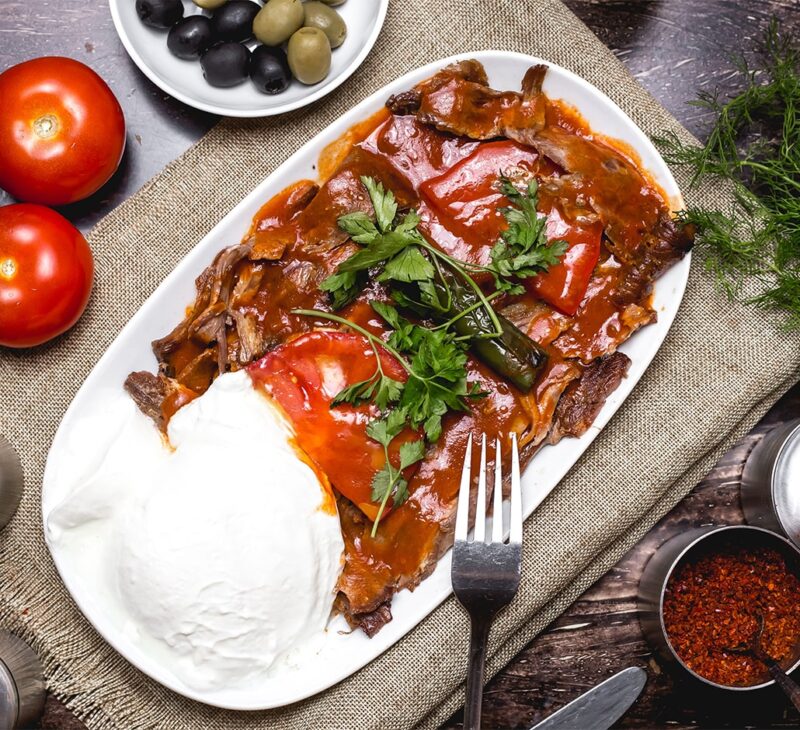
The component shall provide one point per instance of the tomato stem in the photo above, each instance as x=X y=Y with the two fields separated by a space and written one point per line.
x=8 y=268
x=46 y=126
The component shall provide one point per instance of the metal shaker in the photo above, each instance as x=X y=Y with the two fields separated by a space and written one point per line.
x=22 y=687
x=10 y=482
x=771 y=482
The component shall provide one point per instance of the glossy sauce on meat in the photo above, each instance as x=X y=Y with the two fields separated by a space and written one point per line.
x=295 y=243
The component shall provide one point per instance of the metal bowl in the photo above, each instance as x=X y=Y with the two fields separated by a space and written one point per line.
x=769 y=480
x=22 y=685
x=11 y=482
x=670 y=555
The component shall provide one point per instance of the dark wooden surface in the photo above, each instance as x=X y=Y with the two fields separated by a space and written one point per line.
x=674 y=48
x=599 y=635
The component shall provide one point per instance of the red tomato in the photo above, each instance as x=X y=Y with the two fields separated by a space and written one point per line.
x=467 y=201
x=304 y=376
x=45 y=275
x=62 y=132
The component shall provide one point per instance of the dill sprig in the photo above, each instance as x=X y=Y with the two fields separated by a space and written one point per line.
x=754 y=145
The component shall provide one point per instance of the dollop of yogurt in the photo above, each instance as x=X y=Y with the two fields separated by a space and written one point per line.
x=218 y=549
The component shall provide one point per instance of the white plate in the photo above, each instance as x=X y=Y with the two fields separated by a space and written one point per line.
x=344 y=654
x=184 y=79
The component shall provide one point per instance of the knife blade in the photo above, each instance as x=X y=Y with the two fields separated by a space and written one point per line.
x=601 y=706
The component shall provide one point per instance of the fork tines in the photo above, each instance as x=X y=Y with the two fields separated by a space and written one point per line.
x=515 y=501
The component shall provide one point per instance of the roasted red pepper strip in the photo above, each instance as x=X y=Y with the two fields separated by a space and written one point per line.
x=565 y=284
x=468 y=202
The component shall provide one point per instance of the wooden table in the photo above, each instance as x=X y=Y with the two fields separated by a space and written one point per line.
x=674 y=47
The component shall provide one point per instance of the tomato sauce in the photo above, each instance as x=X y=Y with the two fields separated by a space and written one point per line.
x=572 y=310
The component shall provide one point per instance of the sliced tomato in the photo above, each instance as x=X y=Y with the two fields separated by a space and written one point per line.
x=304 y=376
x=467 y=202
x=565 y=284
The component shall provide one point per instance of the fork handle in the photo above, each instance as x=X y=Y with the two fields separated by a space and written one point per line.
x=478 y=638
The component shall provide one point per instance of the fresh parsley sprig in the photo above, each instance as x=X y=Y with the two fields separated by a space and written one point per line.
x=395 y=247
x=436 y=366
x=523 y=249
x=389 y=481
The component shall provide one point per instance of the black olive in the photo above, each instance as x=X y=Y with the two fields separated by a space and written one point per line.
x=234 y=20
x=189 y=37
x=225 y=64
x=269 y=70
x=159 y=13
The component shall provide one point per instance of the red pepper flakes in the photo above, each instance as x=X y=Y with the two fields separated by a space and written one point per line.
x=712 y=603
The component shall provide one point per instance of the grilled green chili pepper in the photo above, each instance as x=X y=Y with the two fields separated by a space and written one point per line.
x=512 y=355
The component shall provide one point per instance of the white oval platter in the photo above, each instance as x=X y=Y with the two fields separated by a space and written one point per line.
x=184 y=79
x=343 y=654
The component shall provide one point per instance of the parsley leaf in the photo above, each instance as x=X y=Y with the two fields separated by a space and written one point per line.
x=523 y=249
x=359 y=227
x=343 y=287
x=383 y=430
x=382 y=247
x=389 y=481
x=409 y=265
x=383 y=202
x=383 y=484
x=411 y=452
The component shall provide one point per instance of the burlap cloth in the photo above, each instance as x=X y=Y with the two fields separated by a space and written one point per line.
x=720 y=368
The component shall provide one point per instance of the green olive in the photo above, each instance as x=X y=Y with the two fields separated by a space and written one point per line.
x=319 y=15
x=333 y=2
x=277 y=20
x=209 y=4
x=309 y=55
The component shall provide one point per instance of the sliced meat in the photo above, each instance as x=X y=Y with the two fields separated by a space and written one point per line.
x=206 y=323
x=408 y=102
x=603 y=321
x=583 y=399
x=667 y=243
x=251 y=343
x=404 y=103
x=371 y=623
x=198 y=372
x=148 y=392
x=632 y=212
x=157 y=396
x=542 y=401
x=268 y=245
x=459 y=100
x=285 y=207
x=417 y=151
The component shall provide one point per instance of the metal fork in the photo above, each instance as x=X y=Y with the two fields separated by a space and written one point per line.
x=485 y=575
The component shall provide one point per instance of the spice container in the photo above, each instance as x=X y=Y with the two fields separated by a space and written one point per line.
x=22 y=687
x=771 y=482
x=701 y=594
x=10 y=482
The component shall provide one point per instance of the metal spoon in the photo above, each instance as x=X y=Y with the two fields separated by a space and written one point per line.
x=790 y=688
